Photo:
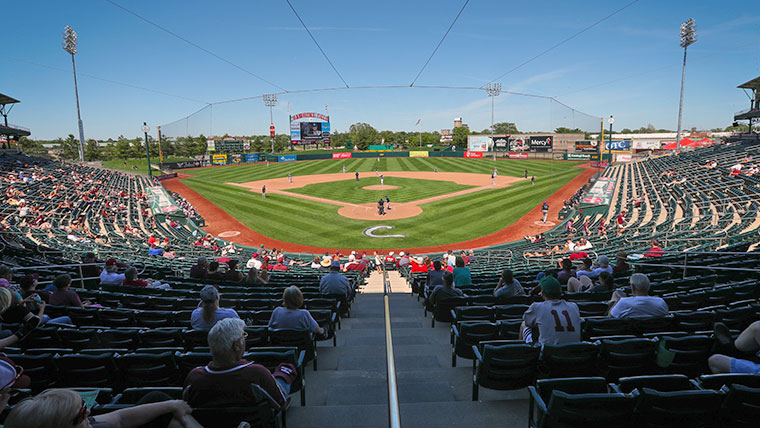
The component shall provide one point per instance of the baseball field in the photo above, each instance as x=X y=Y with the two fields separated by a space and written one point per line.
x=435 y=202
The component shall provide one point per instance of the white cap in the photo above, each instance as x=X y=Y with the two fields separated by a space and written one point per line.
x=391 y=253
x=401 y=254
x=351 y=258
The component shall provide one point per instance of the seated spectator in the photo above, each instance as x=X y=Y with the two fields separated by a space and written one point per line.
x=315 y=263
x=253 y=262
x=109 y=276
x=34 y=302
x=200 y=269
x=5 y=276
x=465 y=257
x=130 y=280
x=354 y=264
x=445 y=290
x=326 y=262
x=232 y=274
x=154 y=250
x=434 y=277
x=257 y=277
x=567 y=271
x=213 y=272
x=334 y=283
x=404 y=260
x=552 y=321
x=229 y=380
x=208 y=312
x=66 y=408
x=621 y=265
x=641 y=304
x=508 y=286
x=418 y=265
x=290 y=314
x=461 y=273
x=279 y=265
x=90 y=270
x=654 y=250
x=583 y=283
x=63 y=296
x=603 y=265
x=748 y=342
x=586 y=270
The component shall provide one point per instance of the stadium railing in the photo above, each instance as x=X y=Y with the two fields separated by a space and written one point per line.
x=394 y=414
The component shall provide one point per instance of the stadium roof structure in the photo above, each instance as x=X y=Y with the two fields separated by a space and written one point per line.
x=754 y=110
x=10 y=129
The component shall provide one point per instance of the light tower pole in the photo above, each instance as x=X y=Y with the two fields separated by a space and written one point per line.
x=70 y=46
x=688 y=36
x=493 y=91
x=270 y=100
x=611 y=120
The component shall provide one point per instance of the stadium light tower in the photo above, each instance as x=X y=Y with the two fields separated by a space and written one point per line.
x=611 y=120
x=493 y=91
x=270 y=100
x=688 y=36
x=70 y=46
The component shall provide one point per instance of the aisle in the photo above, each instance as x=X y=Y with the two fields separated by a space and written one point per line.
x=350 y=387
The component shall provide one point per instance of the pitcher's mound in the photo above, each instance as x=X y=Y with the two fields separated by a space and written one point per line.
x=369 y=212
x=379 y=187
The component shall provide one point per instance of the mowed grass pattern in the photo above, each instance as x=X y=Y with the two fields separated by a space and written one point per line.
x=442 y=222
x=408 y=189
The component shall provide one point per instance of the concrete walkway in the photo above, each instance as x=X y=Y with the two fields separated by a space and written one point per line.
x=350 y=388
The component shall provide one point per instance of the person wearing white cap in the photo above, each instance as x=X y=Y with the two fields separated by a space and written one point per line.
x=404 y=260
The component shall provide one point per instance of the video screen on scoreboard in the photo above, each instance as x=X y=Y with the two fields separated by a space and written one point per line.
x=311 y=131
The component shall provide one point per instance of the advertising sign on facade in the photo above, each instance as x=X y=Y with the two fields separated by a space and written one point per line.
x=286 y=158
x=618 y=145
x=577 y=156
x=419 y=154
x=646 y=144
x=251 y=158
x=219 y=159
x=541 y=144
x=587 y=146
x=211 y=145
x=477 y=143
x=518 y=156
x=473 y=155
x=623 y=157
x=342 y=155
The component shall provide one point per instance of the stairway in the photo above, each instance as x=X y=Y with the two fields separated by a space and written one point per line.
x=350 y=387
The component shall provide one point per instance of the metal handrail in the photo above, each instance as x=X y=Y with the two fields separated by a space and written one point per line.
x=394 y=414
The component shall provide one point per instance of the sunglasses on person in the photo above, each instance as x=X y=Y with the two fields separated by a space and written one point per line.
x=81 y=415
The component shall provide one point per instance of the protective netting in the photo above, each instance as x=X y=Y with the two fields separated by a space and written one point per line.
x=193 y=125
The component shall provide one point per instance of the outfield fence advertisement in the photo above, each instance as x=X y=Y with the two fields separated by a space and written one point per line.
x=518 y=156
x=419 y=154
x=519 y=144
x=473 y=155
x=219 y=159
x=501 y=144
x=541 y=144
x=160 y=202
x=601 y=192
x=251 y=158
x=478 y=143
x=185 y=164
x=578 y=156
x=587 y=146
x=286 y=158
x=342 y=155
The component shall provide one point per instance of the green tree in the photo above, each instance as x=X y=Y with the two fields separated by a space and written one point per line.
x=564 y=130
x=91 y=150
x=69 y=147
x=504 y=128
x=32 y=147
x=460 y=136
x=364 y=135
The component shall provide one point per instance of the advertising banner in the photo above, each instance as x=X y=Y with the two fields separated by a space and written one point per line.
x=160 y=202
x=577 y=156
x=286 y=158
x=342 y=155
x=618 y=146
x=587 y=146
x=599 y=164
x=541 y=144
x=477 y=143
x=211 y=145
x=236 y=159
x=646 y=144
x=251 y=158
x=473 y=155
x=501 y=144
x=166 y=176
x=295 y=132
x=623 y=157
x=518 y=156
x=419 y=154
x=181 y=165
x=219 y=159
x=519 y=144
x=601 y=192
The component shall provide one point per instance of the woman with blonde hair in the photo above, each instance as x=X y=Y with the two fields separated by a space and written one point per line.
x=63 y=408
x=290 y=314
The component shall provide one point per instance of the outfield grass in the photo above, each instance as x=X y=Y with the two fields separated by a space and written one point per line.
x=442 y=222
x=352 y=191
x=142 y=164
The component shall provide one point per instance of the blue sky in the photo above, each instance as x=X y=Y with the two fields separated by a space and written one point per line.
x=628 y=66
